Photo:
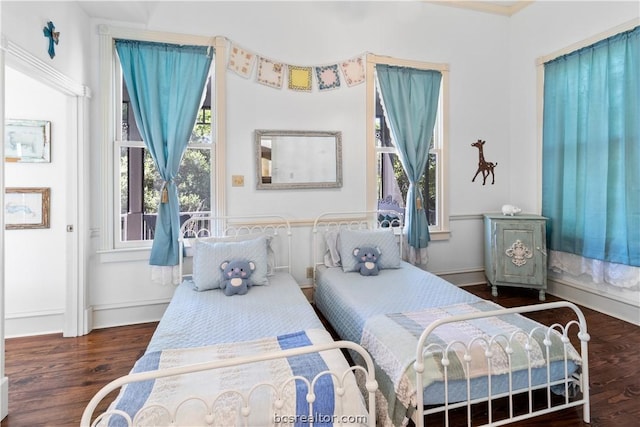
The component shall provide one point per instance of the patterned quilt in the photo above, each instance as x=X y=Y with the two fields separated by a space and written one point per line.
x=208 y=399
x=391 y=339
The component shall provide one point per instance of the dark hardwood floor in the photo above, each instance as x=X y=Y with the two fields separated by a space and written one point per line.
x=52 y=378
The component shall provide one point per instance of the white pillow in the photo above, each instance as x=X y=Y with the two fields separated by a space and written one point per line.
x=332 y=256
x=208 y=256
x=384 y=239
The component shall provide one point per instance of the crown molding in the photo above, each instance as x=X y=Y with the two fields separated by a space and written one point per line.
x=506 y=8
x=32 y=66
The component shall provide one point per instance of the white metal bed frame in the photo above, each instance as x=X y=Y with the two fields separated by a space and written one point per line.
x=369 y=372
x=351 y=220
x=580 y=380
x=369 y=219
x=234 y=226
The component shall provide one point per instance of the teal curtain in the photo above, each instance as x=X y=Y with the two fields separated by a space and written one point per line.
x=591 y=150
x=410 y=99
x=165 y=84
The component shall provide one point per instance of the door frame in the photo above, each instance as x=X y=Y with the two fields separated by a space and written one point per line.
x=77 y=317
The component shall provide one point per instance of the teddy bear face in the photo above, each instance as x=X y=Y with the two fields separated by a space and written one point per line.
x=366 y=254
x=236 y=276
x=367 y=260
x=237 y=269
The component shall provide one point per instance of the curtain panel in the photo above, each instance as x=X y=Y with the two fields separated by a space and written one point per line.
x=410 y=100
x=165 y=83
x=591 y=150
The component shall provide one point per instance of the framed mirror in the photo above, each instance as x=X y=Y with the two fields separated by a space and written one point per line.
x=290 y=159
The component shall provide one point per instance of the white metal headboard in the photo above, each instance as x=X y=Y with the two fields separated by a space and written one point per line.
x=357 y=220
x=205 y=226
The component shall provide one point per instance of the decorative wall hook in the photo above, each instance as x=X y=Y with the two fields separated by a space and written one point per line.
x=53 y=36
x=483 y=166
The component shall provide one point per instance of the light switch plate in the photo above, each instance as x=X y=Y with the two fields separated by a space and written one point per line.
x=237 y=180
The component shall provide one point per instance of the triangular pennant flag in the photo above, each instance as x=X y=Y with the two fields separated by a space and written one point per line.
x=328 y=77
x=353 y=71
x=241 y=61
x=270 y=73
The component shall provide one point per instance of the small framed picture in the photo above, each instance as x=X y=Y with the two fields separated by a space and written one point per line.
x=26 y=208
x=27 y=141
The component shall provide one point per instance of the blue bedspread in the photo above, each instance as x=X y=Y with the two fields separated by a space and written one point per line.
x=195 y=319
x=348 y=299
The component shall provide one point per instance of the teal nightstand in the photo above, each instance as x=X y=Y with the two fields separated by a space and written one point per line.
x=515 y=251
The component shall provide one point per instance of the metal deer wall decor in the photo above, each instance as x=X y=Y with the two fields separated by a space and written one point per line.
x=484 y=167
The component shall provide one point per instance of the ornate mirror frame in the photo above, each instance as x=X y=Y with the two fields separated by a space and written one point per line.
x=293 y=159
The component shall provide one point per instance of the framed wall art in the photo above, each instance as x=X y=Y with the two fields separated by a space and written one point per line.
x=27 y=141
x=26 y=208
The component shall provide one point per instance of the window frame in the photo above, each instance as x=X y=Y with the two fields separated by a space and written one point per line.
x=441 y=230
x=111 y=133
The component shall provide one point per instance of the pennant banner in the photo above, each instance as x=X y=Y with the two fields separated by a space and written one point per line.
x=328 y=77
x=241 y=61
x=299 y=78
x=353 y=71
x=270 y=73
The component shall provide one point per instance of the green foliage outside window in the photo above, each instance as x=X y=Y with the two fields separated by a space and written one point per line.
x=193 y=179
x=427 y=183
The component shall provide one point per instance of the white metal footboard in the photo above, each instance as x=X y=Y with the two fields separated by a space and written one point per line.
x=170 y=414
x=567 y=382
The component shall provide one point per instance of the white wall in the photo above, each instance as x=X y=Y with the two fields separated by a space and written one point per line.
x=35 y=259
x=23 y=21
x=316 y=33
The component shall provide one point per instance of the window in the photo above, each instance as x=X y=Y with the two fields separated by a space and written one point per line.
x=590 y=150
x=391 y=181
x=130 y=185
x=139 y=182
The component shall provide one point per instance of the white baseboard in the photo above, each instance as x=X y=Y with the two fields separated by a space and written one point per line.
x=101 y=316
x=610 y=305
x=4 y=397
x=107 y=316
x=33 y=323
x=88 y=320
x=465 y=278
x=596 y=301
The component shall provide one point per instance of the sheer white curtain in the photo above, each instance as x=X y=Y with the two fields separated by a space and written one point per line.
x=600 y=272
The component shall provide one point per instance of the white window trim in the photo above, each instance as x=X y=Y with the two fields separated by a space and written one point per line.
x=109 y=107
x=441 y=231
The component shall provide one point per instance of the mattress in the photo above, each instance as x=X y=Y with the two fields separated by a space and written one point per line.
x=197 y=319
